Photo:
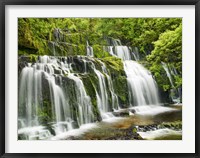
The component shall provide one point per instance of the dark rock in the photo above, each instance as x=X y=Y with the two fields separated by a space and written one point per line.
x=132 y=111
x=75 y=125
x=122 y=113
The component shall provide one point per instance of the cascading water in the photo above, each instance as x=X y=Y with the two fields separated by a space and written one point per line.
x=142 y=86
x=115 y=102
x=165 y=67
x=85 y=114
x=31 y=95
x=102 y=95
x=43 y=84
x=89 y=50
x=135 y=53
x=122 y=52
x=175 y=94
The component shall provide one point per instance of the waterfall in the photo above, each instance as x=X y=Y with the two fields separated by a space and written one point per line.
x=102 y=95
x=122 y=52
x=85 y=114
x=43 y=86
x=142 y=86
x=119 y=51
x=136 y=54
x=81 y=58
x=175 y=93
x=54 y=96
x=89 y=50
x=53 y=47
x=50 y=71
x=31 y=92
x=165 y=67
x=115 y=102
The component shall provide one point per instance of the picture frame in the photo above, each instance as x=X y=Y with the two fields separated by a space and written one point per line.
x=3 y=97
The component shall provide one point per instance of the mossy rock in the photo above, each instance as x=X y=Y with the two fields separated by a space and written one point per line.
x=91 y=83
x=176 y=125
x=115 y=65
x=120 y=87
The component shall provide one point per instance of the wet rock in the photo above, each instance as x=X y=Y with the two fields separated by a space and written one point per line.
x=75 y=125
x=132 y=111
x=121 y=113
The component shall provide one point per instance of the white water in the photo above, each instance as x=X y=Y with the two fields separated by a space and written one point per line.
x=51 y=70
x=151 y=109
x=102 y=95
x=168 y=73
x=31 y=96
x=122 y=52
x=136 y=54
x=75 y=132
x=151 y=135
x=85 y=114
x=89 y=50
x=174 y=93
x=115 y=101
x=142 y=86
x=35 y=133
x=109 y=49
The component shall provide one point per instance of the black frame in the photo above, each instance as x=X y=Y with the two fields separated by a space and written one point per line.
x=3 y=4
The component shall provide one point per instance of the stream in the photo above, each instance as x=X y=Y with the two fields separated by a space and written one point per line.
x=133 y=127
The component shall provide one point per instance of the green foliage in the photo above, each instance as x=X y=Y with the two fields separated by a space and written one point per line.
x=140 y=32
x=168 y=49
x=45 y=113
x=177 y=125
x=33 y=58
x=158 y=39
x=114 y=63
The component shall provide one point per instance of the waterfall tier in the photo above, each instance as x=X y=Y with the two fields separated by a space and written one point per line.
x=52 y=94
x=142 y=86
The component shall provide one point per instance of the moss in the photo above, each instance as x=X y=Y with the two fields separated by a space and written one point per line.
x=116 y=69
x=172 y=125
x=91 y=82
x=29 y=40
x=70 y=91
x=170 y=137
x=26 y=51
x=45 y=113
x=98 y=50
x=81 y=49
x=120 y=87
x=33 y=58
x=114 y=63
